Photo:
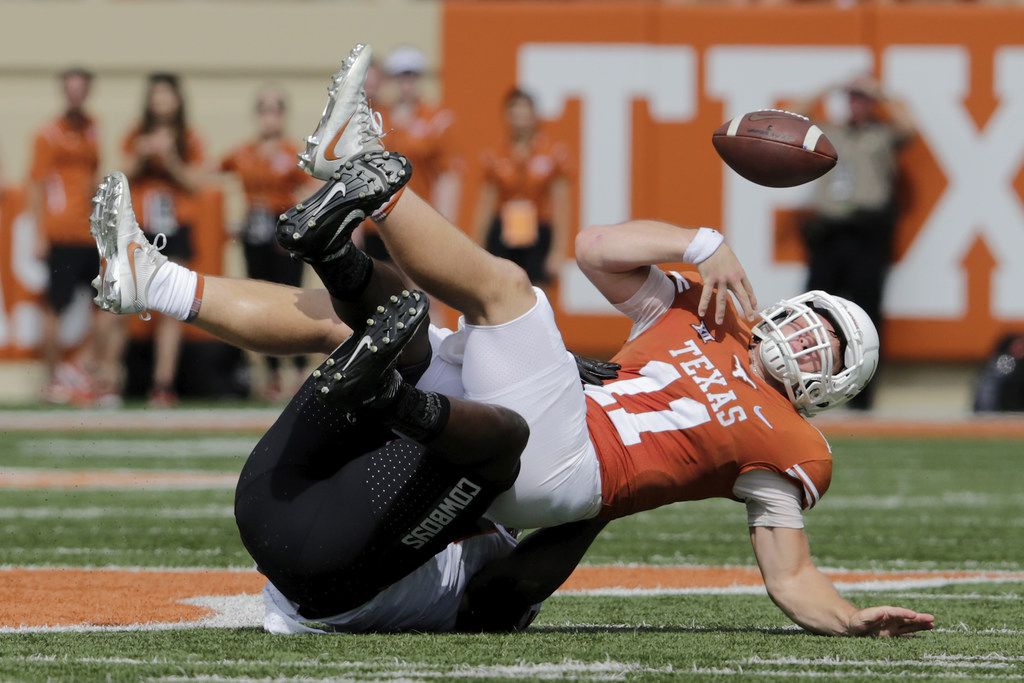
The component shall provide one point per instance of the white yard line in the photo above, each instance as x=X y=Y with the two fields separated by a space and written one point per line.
x=754 y=673
x=924 y=662
x=992 y=631
x=884 y=585
x=1014 y=597
x=127 y=568
x=73 y=551
x=46 y=512
x=388 y=668
x=200 y=447
x=973 y=499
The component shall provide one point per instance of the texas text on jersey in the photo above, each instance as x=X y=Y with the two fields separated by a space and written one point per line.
x=687 y=416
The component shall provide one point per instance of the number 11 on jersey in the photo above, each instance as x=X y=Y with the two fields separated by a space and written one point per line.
x=683 y=413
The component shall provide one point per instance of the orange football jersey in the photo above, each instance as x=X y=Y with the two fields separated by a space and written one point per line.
x=65 y=159
x=687 y=416
x=426 y=140
x=155 y=181
x=270 y=180
x=527 y=176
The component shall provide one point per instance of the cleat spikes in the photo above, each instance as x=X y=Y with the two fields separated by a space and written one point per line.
x=283 y=217
x=311 y=223
x=324 y=390
x=386 y=155
x=300 y=206
x=316 y=373
x=296 y=236
x=329 y=362
x=416 y=295
x=364 y=377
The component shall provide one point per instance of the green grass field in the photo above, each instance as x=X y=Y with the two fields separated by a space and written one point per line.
x=894 y=504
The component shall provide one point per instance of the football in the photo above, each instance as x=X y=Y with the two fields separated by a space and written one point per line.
x=775 y=148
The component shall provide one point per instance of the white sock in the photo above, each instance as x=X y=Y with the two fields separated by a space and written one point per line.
x=173 y=290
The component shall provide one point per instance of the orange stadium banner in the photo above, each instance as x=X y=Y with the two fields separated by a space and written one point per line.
x=636 y=89
x=23 y=276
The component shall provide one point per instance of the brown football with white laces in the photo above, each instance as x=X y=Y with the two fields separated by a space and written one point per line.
x=775 y=148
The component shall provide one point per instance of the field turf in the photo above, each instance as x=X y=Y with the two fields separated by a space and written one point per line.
x=895 y=504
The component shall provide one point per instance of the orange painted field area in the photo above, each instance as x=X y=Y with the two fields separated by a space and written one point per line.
x=83 y=598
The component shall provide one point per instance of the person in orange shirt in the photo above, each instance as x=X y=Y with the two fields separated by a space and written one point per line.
x=164 y=159
x=423 y=132
x=65 y=160
x=270 y=178
x=523 y=211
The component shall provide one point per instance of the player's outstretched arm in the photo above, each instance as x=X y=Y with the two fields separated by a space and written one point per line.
x=808 y=597
x=616 y=259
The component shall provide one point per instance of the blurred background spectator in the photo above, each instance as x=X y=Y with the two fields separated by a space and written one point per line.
x=523 y=209
x=422 y=131
x=164 y=162
x=272 y=182
x=849 y=234
x=62 y=178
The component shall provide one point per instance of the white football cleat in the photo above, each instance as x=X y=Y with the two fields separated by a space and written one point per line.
x=348 y=126
x=128 y=261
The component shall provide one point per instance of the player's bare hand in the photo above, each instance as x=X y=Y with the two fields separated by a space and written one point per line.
x=723 y=273
x=888 y=622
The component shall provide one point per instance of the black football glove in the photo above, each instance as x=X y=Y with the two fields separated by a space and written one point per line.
x=593 y=371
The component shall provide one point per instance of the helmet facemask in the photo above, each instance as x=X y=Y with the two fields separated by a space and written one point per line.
x=830 y=383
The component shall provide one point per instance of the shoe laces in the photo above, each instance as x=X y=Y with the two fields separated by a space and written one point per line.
x=371 y=123
x=158 y=244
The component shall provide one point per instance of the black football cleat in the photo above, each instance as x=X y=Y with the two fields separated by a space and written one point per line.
x=318 y=227
x=360 y=374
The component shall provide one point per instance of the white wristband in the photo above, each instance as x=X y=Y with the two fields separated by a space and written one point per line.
x=705 y=243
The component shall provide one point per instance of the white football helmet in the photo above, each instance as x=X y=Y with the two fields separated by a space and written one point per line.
x=813 y=392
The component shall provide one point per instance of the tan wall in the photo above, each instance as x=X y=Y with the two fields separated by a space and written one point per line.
x=224 y=50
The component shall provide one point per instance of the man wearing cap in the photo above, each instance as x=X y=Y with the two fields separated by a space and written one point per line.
x=854 y=208
x=422 y=131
